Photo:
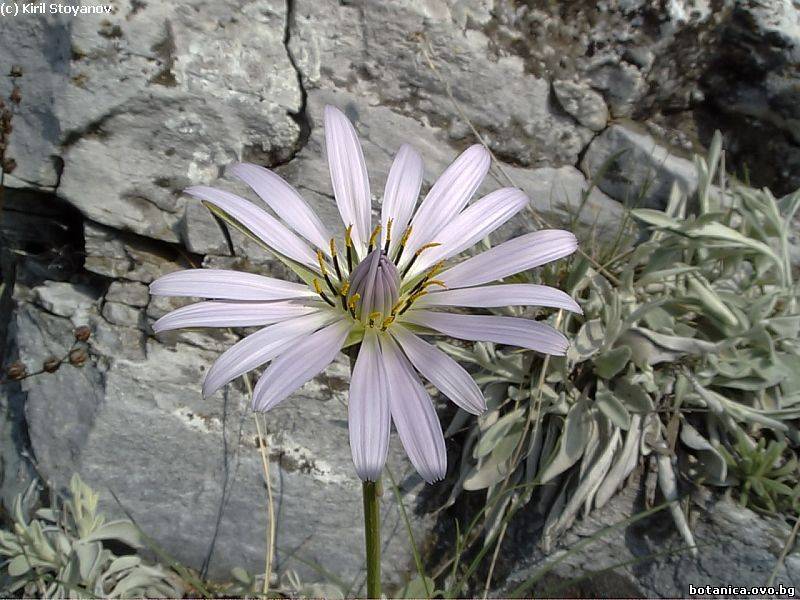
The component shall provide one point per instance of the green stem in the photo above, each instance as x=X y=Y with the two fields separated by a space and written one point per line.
x=372 y=538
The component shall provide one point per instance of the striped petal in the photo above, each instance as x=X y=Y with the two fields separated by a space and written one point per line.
x=305 y=359
x=348 y=174
x=401 y=193
x=472 y=225
x=508 y=294
x=521 y=253
x=368 y=410
x=261 y=347
x=413 y=414
x=260 y=222
x=512 y=331
x=447 y=375
x=230 y=314
x=448 y=196
x=227 y=285
x=286 y=202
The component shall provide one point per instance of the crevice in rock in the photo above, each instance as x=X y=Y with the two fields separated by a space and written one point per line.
x=301 y=116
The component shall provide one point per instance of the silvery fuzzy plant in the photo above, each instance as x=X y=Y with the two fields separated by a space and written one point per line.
x=64 y=551
x=686 y=356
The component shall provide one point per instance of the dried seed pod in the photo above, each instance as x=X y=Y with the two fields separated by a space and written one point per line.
x=9 y=165
x=52 y=364
x=16 y=371
x=78 y=357
x=82 y=333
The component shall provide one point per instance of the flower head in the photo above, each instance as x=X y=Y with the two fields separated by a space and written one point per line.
x=380 y=288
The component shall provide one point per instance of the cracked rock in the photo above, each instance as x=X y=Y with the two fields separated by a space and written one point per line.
x=583 y=103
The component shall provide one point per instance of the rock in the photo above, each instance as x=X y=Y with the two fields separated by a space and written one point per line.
x=65 y=300
x=583 y=103
x=641 y=171
x=200 y=231
x=736 y=547
x=623 y=84
x=387 y=65
x=121 y=314
x=131 y=293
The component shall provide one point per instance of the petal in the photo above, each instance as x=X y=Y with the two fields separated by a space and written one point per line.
x=401 y=193
x=521 y=253
x=512 y=331
x=471 y=226
x=227 y=285
x=348 y=174
x=448 y=196
x=230 y=314
x=297 y=365
x=260 y=222
x=508 y=294
x=286 y=202
x=447 y=375
x=413 y=414
x=368 y=410
x=260 y=347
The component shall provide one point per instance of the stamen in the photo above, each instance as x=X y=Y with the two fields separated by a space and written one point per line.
x=431 y=282
x=373 y=237
x=388 y=236
x=403 y=242
x=322 y=266
x=343 y=292
x=335 y=256
x=348 y=242
x=387 y=321
x=372 y=317
x=318 y=289
x=413 y=298
x=352 y=304
x=419 y=251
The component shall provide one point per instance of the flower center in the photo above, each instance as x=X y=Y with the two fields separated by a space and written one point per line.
x=373 y=290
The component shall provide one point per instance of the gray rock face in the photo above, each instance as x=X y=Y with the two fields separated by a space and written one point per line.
x=638 y=169
x=735 y=547
x=583 y=103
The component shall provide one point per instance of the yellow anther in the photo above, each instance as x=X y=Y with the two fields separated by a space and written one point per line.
x=397 y=305
x=317 y=286
x=348 y=237
x=417 y=295
x=436 y=269
x=374 y=236
x=405 y=237
x=353 y=301
x=430 y=282
x=333 y=247
x=345 y=288
x=372 y=317
x=425 y=247
x=387 y=321
x=389 y=230
x=321 y=260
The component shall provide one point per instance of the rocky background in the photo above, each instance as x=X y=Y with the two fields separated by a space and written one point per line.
x=114 y=115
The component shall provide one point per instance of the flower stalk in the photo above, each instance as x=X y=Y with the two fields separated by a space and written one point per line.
x=372 y=537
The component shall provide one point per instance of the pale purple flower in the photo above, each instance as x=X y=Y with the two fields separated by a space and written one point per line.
x=381 y=287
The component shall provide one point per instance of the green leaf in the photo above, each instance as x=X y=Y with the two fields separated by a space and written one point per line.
x=121 y=530
x=612 y=362
x=655 y=218
x=633 y=396
x=572 y=442
x=612 y=408
x=496 y=432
